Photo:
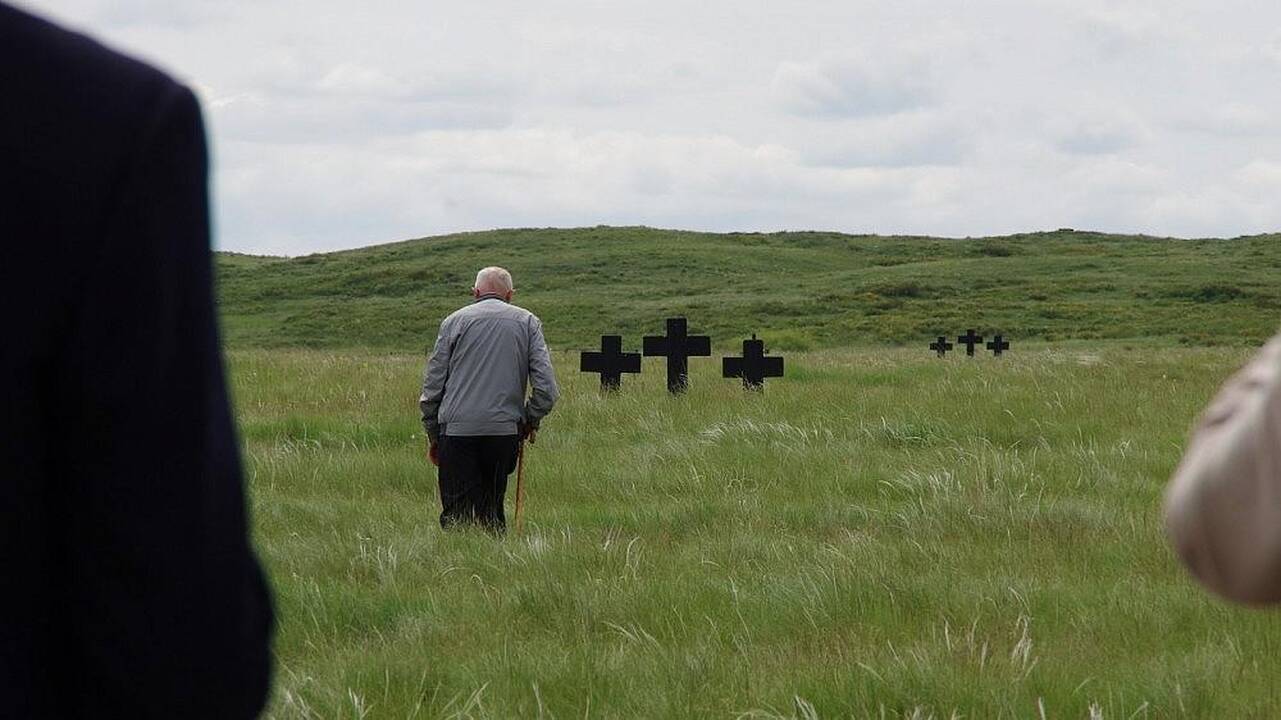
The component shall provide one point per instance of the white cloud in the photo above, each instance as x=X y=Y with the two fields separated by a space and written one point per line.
x=912 y=139
x=119 y=14
x=853 y=86
x=1117 y=29
x=1260 y=178
x=336 y=124
x=286 y=120
x=1234 y=118
x=1104 y=132
x=481 y=179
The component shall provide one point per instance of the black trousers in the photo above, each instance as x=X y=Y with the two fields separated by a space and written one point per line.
x=473 y=479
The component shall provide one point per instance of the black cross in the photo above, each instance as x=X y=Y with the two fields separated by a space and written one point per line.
x=678 y=346
x=998 y=345
x=754 y=366
x=611 y=362
x=941 y=346
x=969 y=340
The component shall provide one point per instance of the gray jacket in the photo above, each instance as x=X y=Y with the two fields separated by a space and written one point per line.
x=485 y=355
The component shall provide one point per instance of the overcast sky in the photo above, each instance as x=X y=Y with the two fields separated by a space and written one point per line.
x=337 y=124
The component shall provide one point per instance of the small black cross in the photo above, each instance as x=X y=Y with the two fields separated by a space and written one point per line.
x=754 y=366
x=611 y=362
x=941 y=346
x=969 y=340
x=998 y=345
x=677 y=346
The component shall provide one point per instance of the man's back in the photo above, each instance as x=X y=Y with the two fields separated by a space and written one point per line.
x=130 y=589
x=489 y=367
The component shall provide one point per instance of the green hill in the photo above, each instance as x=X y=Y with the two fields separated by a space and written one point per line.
x=798 y=289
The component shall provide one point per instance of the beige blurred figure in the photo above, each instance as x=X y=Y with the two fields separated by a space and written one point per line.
x=1223 y=506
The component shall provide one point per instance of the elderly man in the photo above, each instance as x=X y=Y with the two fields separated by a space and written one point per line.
x=473 y=399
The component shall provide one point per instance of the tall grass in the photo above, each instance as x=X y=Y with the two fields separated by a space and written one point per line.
x=879 y=534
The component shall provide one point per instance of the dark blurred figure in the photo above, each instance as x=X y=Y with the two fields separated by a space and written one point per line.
x=127 y=585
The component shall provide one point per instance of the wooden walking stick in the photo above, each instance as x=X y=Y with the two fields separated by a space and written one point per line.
x=520 y=486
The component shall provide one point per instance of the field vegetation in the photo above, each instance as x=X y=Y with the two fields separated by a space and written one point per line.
x=878 y=534
x=800 y=290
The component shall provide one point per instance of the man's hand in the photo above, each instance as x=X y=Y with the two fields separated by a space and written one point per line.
x=433 y=452
x=528 y=432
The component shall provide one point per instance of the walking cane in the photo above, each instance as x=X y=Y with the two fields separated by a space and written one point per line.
x=520 y=486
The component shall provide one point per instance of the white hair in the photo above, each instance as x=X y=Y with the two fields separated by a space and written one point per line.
x=494 y=280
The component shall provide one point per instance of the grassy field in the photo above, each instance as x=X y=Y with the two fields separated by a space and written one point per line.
x=879 y=534
x=802 y=290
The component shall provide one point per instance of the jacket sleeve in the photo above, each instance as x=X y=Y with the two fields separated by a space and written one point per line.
x=542 y=376
x=1223 y=505
x=434 y=378
x=166 y=600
